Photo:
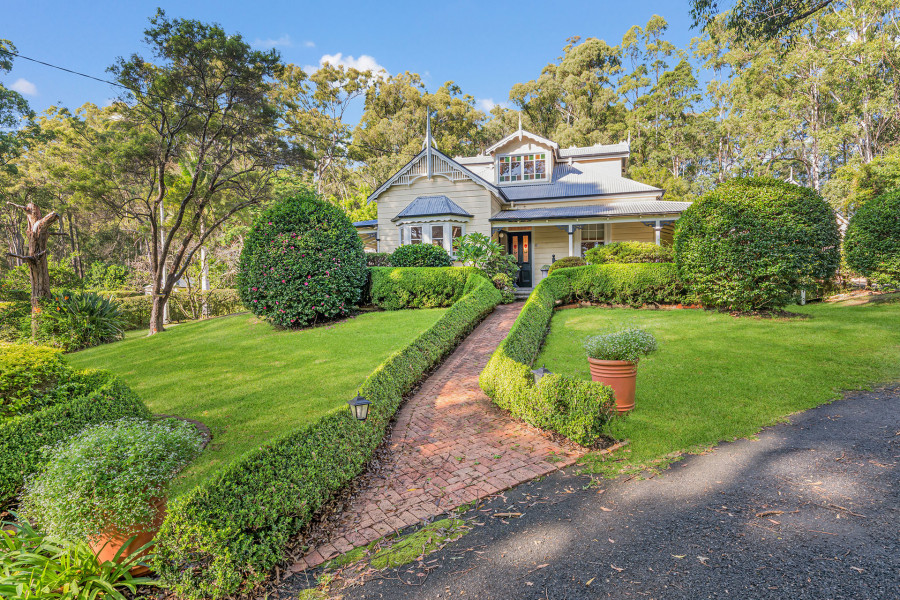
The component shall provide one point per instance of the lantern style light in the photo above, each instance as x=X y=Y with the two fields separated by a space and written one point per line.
x=538 y=373
x=359 y=406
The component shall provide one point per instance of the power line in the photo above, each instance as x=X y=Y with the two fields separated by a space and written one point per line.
x=183 y=103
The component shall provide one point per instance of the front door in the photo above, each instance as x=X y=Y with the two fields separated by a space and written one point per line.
x=520 y=247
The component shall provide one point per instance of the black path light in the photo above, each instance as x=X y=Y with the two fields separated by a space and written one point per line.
x=359 y=406
x=538 y=373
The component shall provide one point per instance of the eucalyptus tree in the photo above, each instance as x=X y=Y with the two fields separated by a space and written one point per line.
x=207 y=96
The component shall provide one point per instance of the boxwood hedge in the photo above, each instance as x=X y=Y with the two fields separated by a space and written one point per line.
x=572 y=407
x=633 y=284
x=226 y=533
x=417 y=287
x=103 y=397
x=872 y=243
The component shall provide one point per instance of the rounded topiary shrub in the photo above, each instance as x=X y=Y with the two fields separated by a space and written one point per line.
x=302 y=262
x=420 y=255
x=565 y=262
x=753 y=244
x=872 y=243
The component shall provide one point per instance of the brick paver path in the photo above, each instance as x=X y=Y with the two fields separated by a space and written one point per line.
x=449 y=446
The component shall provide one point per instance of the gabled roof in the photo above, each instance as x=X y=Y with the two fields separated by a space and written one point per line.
x=369 y=223
x=595 y=150
x=431 y=206
x=617 y=209
x=434 y=152
x=520 y=134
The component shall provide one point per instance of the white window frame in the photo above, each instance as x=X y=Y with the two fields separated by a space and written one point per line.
x=581 y=240
x=427 y=238
x=521 y=155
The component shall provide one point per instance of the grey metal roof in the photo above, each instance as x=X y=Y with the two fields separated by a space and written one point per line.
x=617 y=209
x=576 y=180
x=369 y=223
x=473 y=160
x=431 y=206
x=595 y=150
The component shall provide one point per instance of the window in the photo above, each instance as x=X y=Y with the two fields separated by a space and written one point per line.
x=415 y=235
x=523 y=167
x=592 y=235
x=437 y=235
x=457 y=233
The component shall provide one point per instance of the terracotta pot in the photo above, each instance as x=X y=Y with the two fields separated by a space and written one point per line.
x=108 y=544
x=620 y=375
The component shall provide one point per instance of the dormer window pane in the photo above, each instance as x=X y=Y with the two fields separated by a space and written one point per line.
x=522 y=167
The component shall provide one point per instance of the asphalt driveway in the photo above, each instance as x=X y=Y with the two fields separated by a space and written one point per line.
x=810 y=509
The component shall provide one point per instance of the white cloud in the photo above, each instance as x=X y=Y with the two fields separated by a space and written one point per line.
x=23 y=86
x=487 y=104
x=363 y=63
x=309 y=44
x=284 y=41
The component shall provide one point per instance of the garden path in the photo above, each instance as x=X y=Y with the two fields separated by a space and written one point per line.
x=449 y=446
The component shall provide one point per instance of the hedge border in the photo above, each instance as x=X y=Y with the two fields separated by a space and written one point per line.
x=395 y=288
x=632 y=284
x=22 y=438
x=226 y=533
x=572 y=407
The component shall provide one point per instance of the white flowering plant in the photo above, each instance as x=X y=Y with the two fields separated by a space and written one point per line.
x=110 y=475
x=627 y=344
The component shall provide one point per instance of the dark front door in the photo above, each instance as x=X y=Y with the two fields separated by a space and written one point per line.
x=520 y=247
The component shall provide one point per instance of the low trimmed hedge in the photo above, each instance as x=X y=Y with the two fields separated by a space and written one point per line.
x=417 y=287
x=22 y=437
x=571 y=407
x=634 y=284
x=136 y=309
x=227 y=532
x=566 y=262
x=27 y=375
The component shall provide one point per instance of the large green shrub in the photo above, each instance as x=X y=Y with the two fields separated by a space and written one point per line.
x=27 y=375
x=302 y=262
x=231 y=529
x=872 y=242
x=634 y=284
x=14 y=316
x=755 y=243
x=108 y=475
x=417 y=287
x=566 y=262
x=105 y=276
x=420 y=255
x=96 y=397
x=628 y=252
x=378 y=259
x=571 y=407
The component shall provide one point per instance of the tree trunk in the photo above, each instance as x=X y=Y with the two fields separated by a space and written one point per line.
x=204 y=276
x=37 y=235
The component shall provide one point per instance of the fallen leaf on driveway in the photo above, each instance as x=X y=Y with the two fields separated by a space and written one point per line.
x=679 y=555
x=858 y=570
x=528 y=583
x=611 y=541
x=542 y=566
x=769 y=513
x=703 y=559
x=604 y=509
x=619 y=569
x=590 y=581
x=506 y=515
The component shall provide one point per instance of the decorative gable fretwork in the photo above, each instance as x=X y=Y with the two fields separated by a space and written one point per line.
x=419 y=169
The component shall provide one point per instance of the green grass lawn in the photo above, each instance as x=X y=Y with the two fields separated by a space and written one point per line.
x=717 y=377
x=248 y=382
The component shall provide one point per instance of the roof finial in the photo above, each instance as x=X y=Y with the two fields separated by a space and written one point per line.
x=520 y=125
x=428 y=142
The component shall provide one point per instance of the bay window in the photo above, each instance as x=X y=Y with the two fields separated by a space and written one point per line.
x=439 y=234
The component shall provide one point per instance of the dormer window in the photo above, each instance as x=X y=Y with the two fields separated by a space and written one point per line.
x=522 y=167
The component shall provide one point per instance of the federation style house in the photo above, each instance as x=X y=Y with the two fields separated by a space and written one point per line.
x=538 y=200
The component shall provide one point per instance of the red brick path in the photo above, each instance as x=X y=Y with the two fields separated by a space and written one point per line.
x=450 y=445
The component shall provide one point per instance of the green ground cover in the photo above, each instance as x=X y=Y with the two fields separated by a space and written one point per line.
x=717 y=377
x=248 y=382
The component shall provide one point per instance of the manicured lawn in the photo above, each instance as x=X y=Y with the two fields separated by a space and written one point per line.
x=717 y=377
x=248 y=382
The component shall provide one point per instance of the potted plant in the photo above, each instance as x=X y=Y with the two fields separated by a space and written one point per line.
x=108 y=485
x=613 y=359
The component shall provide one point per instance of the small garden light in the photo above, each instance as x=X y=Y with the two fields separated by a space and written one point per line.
x=538 y=373
x=359 y=406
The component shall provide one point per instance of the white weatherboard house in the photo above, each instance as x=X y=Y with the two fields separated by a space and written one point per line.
x=538 y=200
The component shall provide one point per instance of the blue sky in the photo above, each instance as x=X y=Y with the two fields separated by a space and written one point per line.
x=485 y=47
